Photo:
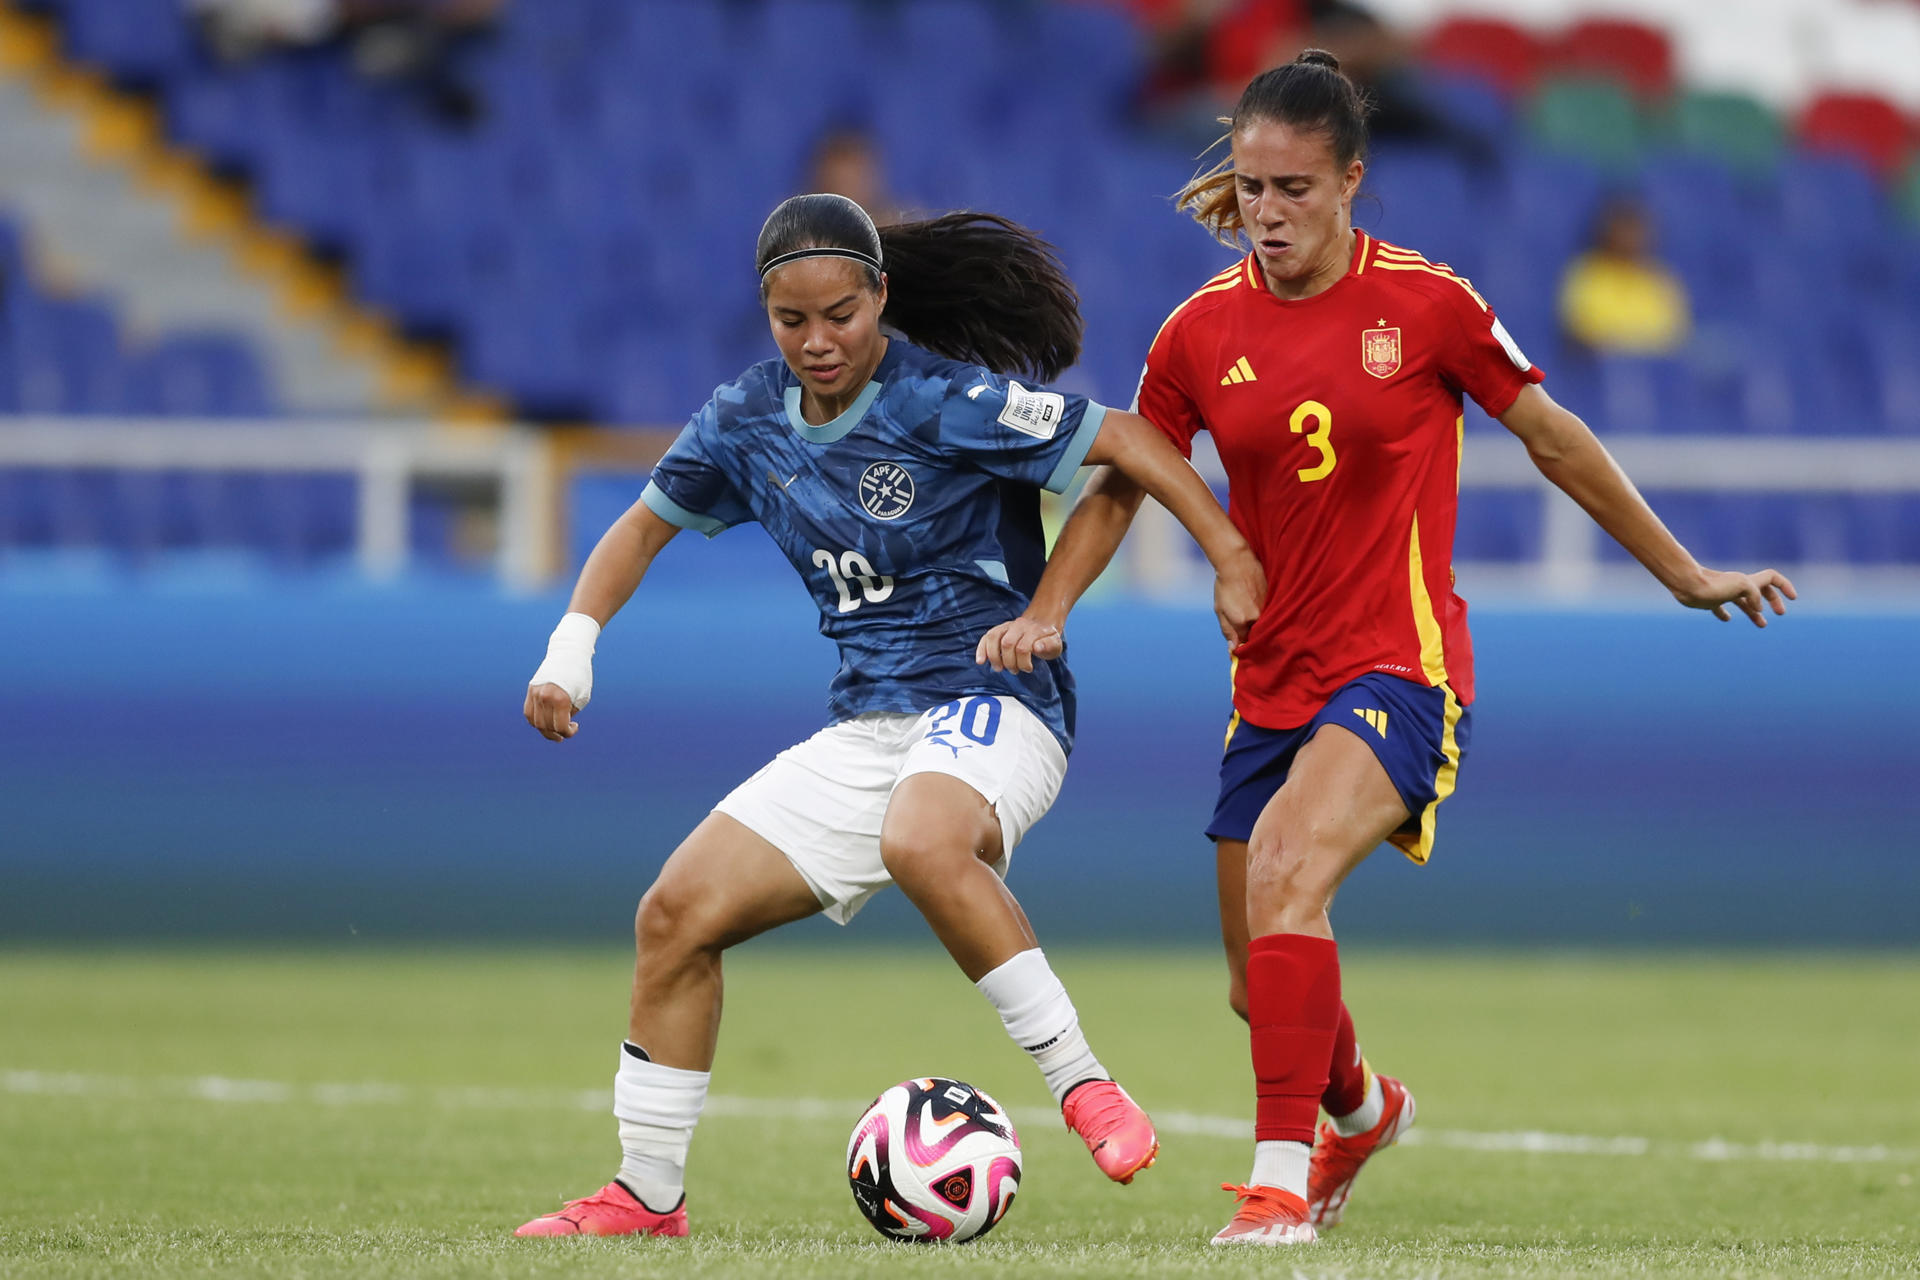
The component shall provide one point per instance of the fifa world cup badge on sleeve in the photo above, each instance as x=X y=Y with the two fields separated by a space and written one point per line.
x=1380 y=352
x=1038 y=413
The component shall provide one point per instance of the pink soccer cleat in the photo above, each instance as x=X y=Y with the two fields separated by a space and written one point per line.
x=1337 y=1160
x=1266 y=1215
x=1113 y=1126
x=611 y=1211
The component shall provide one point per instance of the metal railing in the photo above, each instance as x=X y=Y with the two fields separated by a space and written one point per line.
x=531 y=468
x=1163 y=560
x=385 y=458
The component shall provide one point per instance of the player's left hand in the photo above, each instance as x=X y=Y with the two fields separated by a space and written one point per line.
x=1013 y=646
x=1239 y=592
x=1751 y=593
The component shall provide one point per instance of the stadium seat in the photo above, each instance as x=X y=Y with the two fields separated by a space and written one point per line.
x=1593 y=119
x=1631 y=54
x=1551 y=200
x=1419 y=197
x=1505 y=54
x=1498 y=526
x=1860 y=125
x=1701 y=216
x=1907 y=195
x=67 y=355
x=142 y=42
x=1470 y=103
x=208 y=375
x=1736 y=129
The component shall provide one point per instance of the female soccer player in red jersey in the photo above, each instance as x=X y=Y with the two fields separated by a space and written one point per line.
x=1329 y=367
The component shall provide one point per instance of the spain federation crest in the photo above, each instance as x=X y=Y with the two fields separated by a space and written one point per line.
x=1380 y=352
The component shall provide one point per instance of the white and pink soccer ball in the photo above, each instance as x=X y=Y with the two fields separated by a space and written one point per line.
x=934 y=1161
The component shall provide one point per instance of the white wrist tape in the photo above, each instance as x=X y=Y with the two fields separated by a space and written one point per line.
x=569 y=661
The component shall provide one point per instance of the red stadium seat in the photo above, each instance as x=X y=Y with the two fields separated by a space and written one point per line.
x=1637 y=56
x=1507 y=55
x=1861 y=125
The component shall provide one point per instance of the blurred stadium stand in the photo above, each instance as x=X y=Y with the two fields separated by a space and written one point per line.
x=582 y=247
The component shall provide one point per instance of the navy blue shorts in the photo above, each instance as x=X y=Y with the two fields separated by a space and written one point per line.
x=1418 y=732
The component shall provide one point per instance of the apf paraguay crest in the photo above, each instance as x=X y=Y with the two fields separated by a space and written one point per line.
x=886 y=490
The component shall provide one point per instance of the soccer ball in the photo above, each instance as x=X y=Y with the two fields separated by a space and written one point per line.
x=933 y=1160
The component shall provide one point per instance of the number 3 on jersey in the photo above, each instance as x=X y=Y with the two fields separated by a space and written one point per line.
x=848 y=569
x=1321 y=438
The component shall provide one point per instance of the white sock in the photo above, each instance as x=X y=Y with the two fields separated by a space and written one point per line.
x=1036 y=1012
x=1367 y=1116
x=1282 y=1165
x=657 y=1108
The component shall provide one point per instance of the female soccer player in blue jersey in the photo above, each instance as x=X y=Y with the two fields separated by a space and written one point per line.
x=901 y=477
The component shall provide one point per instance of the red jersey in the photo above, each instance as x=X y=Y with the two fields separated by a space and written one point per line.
x=1338 y=418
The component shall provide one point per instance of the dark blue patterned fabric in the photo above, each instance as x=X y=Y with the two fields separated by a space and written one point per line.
x=914 y=517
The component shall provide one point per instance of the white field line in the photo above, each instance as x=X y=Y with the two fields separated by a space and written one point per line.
x=225 y=1089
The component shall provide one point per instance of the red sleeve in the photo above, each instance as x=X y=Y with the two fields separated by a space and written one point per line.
x=1486 y=363
x=1162 y=398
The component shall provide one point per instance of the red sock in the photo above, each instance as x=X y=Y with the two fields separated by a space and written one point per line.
x=1346 y=1077
x=1293 y=1004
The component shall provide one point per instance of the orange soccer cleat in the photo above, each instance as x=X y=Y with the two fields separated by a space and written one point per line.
x=1266 y=1215
x=1113 y=1126
x=1337 y=1160
x=611 y=1211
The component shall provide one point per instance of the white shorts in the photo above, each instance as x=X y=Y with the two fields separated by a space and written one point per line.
x=821 y=802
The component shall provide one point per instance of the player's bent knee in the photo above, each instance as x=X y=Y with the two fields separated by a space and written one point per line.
x=1290 y=879
x=925 y=859
x=672 y=920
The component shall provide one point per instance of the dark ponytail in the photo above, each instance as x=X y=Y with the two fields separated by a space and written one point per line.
x=968 y=286
x=1312 y=95
x=978 y=288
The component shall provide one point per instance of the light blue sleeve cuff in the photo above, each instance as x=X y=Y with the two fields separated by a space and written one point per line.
x=673 y=513
x=1077 y=448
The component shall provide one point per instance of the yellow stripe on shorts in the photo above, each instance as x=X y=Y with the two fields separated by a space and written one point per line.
x=1419 y=847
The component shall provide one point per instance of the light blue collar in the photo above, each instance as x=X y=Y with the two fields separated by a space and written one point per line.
x=828 y=432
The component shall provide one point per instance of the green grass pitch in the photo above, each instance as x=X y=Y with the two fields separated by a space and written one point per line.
x=396 y=1113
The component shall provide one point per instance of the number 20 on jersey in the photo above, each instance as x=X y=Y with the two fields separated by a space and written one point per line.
x=849 y=570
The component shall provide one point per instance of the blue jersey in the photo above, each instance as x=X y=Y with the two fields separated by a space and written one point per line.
x=914 y=517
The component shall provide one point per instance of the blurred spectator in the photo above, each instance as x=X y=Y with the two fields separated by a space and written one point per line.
x=1207 y=51
x=241 y=29
x=1617 y=296
x=408 y=40
x=846 y=163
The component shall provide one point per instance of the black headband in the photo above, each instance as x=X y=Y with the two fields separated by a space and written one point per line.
x=783 y=259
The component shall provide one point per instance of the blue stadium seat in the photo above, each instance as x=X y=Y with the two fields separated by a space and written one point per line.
x=144 y=41
x=1104 y=49
x=1418 y=197
x=1551 y=203
x=66 y=355
x=1498 y=525
x=211 y=375
x=214 y=112
x=1472 y=105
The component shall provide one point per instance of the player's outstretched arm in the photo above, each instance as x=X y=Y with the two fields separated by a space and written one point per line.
x=1100 y=519
x=1135 y=459
x=564 y=682
x=1137 y=449
x=1569 y=454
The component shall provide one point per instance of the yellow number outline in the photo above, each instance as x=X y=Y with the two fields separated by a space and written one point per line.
x=1320 y=438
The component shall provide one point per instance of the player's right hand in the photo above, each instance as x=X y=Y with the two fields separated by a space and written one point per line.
x=1013 y=646
x=550 y=710
x=1239 y=593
